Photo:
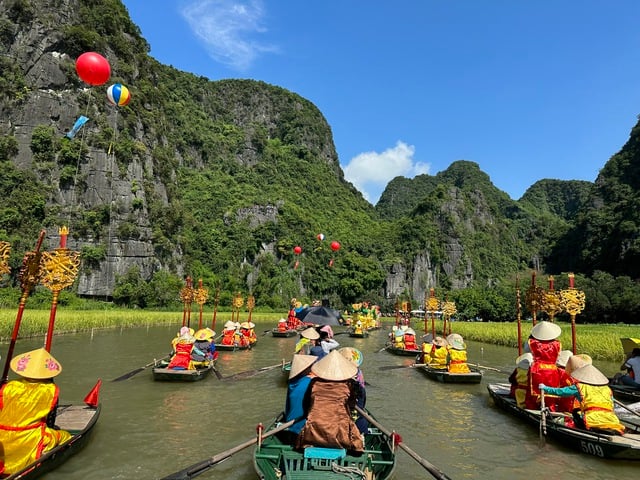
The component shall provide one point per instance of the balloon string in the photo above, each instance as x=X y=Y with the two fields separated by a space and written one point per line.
x=111 y=156
x=75 y=177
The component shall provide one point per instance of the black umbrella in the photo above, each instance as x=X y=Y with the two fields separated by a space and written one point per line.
x=320 y=316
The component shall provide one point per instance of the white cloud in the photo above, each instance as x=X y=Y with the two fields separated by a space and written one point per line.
x=370 y=172
x=226 y=27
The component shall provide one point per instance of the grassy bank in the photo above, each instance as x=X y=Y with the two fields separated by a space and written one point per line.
x=599 y=341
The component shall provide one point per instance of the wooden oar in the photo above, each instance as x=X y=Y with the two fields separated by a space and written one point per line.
x=138 y=370
x=432 y=469
x=493 y=369
x=543 y=418
x=394 y=367
x=201 y=467
x=251 y=373
x=625 y=407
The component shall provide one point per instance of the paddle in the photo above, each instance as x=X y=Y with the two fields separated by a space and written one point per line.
x=218 y=374
x=620 y=404
x=138 y=370
x=432 y=469
x=201 y=467
x=543 y=418
x=394 y=367
x=251 y=373
x=490 y=368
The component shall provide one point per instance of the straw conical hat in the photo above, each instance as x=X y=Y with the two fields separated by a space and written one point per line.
x=524 y=360
x=204 y=334
x=211 y=332
x=282 y=320
x=456 y=341
x=563 y=358
x=546 y=331
x=300 y=363
x=245 y=325
x=410 y=331
x=577 y=361
x=38 y=364
x=352 y=354
x=335 y=367
x=229 y=325
x=440 y=342
x=590 y=375
x=310 y=333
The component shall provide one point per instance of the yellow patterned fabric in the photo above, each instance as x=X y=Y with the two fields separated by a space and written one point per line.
x=24 y=406
x=438 y=357
x=597 y=407
x=458 y=361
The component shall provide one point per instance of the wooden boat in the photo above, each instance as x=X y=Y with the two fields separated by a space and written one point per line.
x=362 y=334
x=233 y=348
x=444 y=376
x=620 y=447
x=401 y=351
x=78 y=420
x=625 y=393
x=162 y=373
x=276 y=459
x=286 y=334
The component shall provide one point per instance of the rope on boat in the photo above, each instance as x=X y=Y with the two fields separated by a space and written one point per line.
x=348 y=471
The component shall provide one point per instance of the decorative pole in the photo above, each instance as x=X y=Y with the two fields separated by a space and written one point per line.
x=432 y=307
x=186 y=295
x=448 y=310
x=519 y=314
x=59 y=270
x=573 y=301
x=5 y=249
x=200 y=295
x=238 y=302
x=551 y=304
x=251 y=302
x=534 y=298
x=216 y=299
x=30 y=274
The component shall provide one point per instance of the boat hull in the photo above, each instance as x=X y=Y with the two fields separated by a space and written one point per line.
x=401 y=351
x=79 y=420
x=286 y=334
x=233 y=348
x=625 y=447
x=442 y=375
x=163 y=374
x=276 y=459
x=625 y=393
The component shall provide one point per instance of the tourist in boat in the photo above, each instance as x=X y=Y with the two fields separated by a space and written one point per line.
x=591 y=389
x=282 y=325
x=182 y=330
x=324 y=344
x=410 y=339
x=181 y=360
x=632 y=366
x=357 y=329
x=332 y=398
x=300 y=377
x=457 y=360
x=438 y=354
x=27 y=416
x=519 y=379
x=307 y=340
x=354 y=355
x=204 y=348
x=229 y=334
x=398 y=338
x=248 y=333
x=564 y=404
x=545 y=348
x=293 y=322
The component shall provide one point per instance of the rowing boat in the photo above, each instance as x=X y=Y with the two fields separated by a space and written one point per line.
x=620 y=447
x=284 y=334
x=361 y=334
x=276 y=459
x=401 y=351
x=444 y=376
x=78 y=420
x=162 y=373
x=233 y=348
x=625 y=393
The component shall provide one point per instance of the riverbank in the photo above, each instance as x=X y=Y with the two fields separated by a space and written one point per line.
x=601 y=342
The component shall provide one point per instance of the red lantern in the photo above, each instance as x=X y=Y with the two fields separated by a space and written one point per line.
x=93 y=68
x=335 y=246
x=297 y=250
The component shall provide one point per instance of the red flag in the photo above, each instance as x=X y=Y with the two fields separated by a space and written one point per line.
x=92 y=397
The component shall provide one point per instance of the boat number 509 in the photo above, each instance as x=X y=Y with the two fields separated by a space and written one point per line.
x=592 y=449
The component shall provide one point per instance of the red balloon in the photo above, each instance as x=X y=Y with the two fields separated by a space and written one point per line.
x=93 y=68
x=297 y=250
x=335 y=246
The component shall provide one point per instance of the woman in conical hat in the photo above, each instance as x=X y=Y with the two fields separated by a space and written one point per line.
x=26 y=427
x=457 y=356
x=595 y=400
x=329 y=421
x=545 y=347
x=300 y=377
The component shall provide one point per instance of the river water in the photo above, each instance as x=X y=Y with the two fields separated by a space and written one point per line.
x=149 y=429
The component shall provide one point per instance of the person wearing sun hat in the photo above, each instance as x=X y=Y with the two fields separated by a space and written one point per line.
x=332 y=399
x=519 y=378
x=545 y=347
x=354 y=355
x=27 y=416
x=308 y=338
x=181 y=359
x=282 y=325
x=228 y=333
x=409 y=339
x=596 y=409
x=204 y=348
x=457 y=359
x=300 y=377
x=437 y=357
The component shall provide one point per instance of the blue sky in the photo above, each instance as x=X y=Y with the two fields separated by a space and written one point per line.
x=526 y=89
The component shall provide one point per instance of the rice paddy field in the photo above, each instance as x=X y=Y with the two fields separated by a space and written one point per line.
x=599 y=341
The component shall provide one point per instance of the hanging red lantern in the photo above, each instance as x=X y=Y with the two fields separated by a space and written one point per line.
x=297 y=250
x=335 y=246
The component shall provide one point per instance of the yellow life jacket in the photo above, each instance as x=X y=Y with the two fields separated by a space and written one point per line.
x=438 y=357
x=458 y=361
x=24 y=406
x=597 y=407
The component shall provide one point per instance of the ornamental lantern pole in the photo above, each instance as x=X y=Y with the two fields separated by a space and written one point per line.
x=200 y=295
x=551 y=301
x=573 y=301
x=186 y=295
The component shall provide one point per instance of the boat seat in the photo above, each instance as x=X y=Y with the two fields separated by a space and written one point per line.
x=326 y=453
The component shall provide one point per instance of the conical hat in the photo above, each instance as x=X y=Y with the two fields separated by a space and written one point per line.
x=334 y=367
x=38 y=364
x=456 y=341
x=300 y=363
x=546 y=331
x=282 y=320
x=352 y=354
x=524 y=361
x=590 y=375
x=577 y=361
x=251 y=324
x=202 y=334
x=229 y=325
x=211 y=332
x=310 y=333
x=440 y=342
x=563 y=357
x=410 y=331
x=245 y=325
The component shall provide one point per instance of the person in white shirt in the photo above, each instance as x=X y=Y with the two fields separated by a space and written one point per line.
x=632 y=365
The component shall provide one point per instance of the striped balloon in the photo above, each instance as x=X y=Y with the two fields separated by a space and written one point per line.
x=118 y=94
